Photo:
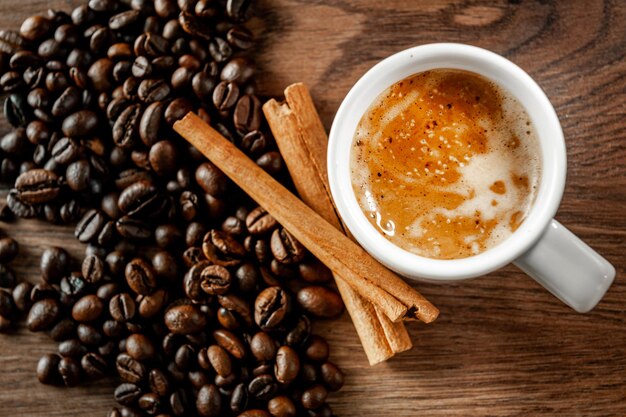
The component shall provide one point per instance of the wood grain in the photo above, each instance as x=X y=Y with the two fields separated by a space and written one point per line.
x=502 y=346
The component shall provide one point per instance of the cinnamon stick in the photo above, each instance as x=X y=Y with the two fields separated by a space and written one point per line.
x=302 y=140
x=300 y=101
x=325 y=242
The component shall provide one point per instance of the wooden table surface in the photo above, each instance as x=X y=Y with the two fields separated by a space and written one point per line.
x=502 y=345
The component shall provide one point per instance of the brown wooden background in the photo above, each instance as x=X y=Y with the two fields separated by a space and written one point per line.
x=502 y=345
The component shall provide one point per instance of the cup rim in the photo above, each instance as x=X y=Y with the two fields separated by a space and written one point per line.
x=452 y=56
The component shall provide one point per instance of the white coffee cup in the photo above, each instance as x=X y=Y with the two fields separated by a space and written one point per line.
x=541 y=246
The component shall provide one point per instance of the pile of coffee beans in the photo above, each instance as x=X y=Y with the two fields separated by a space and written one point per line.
x=195 y=298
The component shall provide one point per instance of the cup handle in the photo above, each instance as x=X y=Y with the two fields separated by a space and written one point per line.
x=568 y=268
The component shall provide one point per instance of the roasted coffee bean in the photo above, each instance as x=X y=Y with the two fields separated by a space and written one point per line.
x=150 y=123
x=221 y=248
x=127 y=393
x=285 y=248
x=89 y=335
x=332 y=376
x=193 y=25
x=12 y=81
x=314 y=397
x=122 y=307
x=25 y=59
x=262 y=387
x=287 y=365
x=254 y=143
x=90 y=226
x=215 y=280
x=8 y=251
x=299 y=333
x=103 y=5
x=151 y=90
x=55 y=263
x=219 y=359
x=239 y=398
x=16 y=110
x=140 y=276
x=126 y=126
x=165 y=266
x=67 y=102
x=203 y=85
x=150 y=403
x=247 y=116
x=133 y=229
x=238 y=9
x=271 y=307
x=317 y=349
x=72 y=348
x=177 y=109
x=140 y=347
x=163 y=157
x=15 y=143
x=230 y=342
x=140 y=199
x=263 y=347
x=66 y=150
x=281 y=406
x=239 y=70
x=78 y=175
x=92 y=269
x=19 y=207
x=181 y=78
x=225 y=95
x=192 y=282
x=271 y=162
x=209 y=401
x=211 y=179
x=185 y=319
x=227 y=319
x=151 y=304
x=124 y=19
x=159 y=382
x=63 y=330
x=167 y=236
x=260 y=221
x=219 y=49
x=237 y=305
x=43 y=314
x=48 y=369
x=21 y=296
x=88 y=308
x=129 y=369
x=192 y=256
x=35 y=28
x=101 y=73
x=69 y=369
x=240 y=37
x=81 y=123
x=314 y=272
x=185 y=357
x=320 y=301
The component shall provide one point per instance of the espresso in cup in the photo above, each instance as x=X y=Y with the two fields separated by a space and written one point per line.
x=445 y=164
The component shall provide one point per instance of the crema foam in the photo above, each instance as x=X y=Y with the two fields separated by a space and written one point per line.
x=446 y=164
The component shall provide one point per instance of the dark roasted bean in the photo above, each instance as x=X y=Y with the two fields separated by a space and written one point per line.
x=48 y=369
x=185 y=319
x=320 y=301
x=129 y=369
x=270 y=307
x=262 y=387
x=287 y=365
x=140 y=276
x=209 y=401
x=314 y=397
x=43 y=314
x=281 y=406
